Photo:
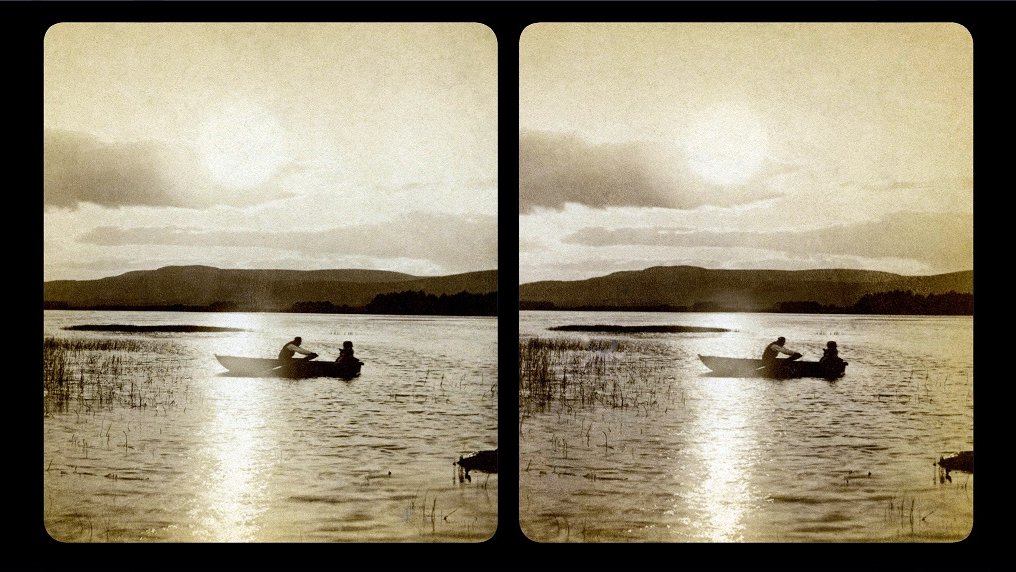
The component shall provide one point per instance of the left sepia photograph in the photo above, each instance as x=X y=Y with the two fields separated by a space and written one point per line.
x=270 y=282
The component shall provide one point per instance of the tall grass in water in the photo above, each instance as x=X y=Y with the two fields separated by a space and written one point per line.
x=108 y=372
x=607 y=372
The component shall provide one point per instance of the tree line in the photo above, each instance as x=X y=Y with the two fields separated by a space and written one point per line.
x=901 y=302
x=461 y=304
x=412 y=302
x=213 y=307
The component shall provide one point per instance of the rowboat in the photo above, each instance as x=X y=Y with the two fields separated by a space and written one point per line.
x=784 y=369
x=299 y=368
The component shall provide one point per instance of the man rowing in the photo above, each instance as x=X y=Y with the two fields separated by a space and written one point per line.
x=773 y=349
x=293 y=347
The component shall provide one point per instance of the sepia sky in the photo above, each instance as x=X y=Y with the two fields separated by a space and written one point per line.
x=786 y=146
x=300 y=146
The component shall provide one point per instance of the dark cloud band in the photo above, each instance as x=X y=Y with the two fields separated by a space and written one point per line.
x=79 y=168
x=556 y=169
x=82 y=169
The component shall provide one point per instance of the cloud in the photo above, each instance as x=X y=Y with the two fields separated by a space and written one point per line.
x=555 y=169
x=945 y=194
x=82 y=169
x=79 y=168
x=940 y=239
x=456 y=243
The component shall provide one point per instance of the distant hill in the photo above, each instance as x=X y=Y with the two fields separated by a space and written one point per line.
x=254 y=290
x=690 y=287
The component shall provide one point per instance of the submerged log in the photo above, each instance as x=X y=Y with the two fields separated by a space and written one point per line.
x=962 y=461
x=483 y=461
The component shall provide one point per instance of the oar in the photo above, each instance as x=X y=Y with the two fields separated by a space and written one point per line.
x=284 y=364
x=269 y=370
x=794 y=357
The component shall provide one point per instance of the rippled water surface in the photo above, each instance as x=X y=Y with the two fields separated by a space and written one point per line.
x=670 y=453
x=172 y=450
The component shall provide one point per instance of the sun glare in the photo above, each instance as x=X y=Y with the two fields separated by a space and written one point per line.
x=238 y=461
x=726 y=144
x=241 y=144
x=724 y=496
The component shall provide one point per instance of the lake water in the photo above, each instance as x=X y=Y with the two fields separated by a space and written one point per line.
x=713 y=459
x=172 y=450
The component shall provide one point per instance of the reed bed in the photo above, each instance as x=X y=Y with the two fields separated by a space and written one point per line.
x=109 y=372
x=617 y=373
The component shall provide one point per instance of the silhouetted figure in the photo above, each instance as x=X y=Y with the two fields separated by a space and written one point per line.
x=293 y=347
x=773 y=349
x=962 y=461
x=483 y=461
x=830 y=355
x=346 y=354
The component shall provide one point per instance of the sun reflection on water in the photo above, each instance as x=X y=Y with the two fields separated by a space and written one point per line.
x=238 y=460
x=724 y=495
x=249 y=343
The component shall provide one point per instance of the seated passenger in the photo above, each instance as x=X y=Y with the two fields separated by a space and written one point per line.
x=830 y=355
x=346 y=354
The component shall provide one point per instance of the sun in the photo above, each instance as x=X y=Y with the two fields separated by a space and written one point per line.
x=726 y=143
x=241 y=144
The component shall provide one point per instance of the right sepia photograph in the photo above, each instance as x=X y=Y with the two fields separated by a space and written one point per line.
x=746 y=282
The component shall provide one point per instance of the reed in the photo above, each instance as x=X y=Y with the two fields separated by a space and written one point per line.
x=625 y=373
x=901 y=511
x=104 y=373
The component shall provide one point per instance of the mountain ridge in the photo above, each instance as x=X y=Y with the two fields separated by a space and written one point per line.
x=753 y=290
x=254 y=289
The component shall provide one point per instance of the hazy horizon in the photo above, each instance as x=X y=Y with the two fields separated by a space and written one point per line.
x=267 y=145
x=784 y=146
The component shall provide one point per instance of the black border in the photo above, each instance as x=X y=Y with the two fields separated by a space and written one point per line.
x=24 y=26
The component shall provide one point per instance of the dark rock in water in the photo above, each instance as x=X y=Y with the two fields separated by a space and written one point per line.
x=483 y=461
x=962 y=461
